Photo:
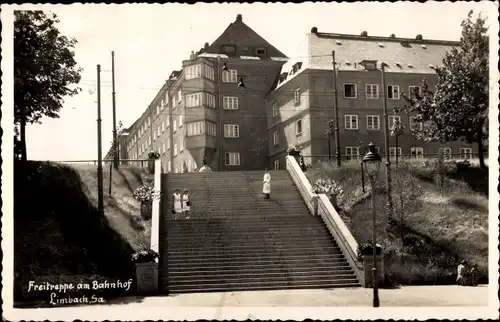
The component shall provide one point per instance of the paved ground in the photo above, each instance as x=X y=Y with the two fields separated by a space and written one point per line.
x=419 y=296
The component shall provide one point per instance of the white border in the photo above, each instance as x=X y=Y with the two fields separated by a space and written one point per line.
x=138 y=312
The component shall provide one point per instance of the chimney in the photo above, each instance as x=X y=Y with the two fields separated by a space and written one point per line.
x=191 y=56
x=206 y=46
x=364 y=34
x=419 y=37
x=314 y=30
x=239 y=18
x=393 y=36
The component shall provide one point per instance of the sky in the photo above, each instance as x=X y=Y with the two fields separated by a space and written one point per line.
x=150 y=41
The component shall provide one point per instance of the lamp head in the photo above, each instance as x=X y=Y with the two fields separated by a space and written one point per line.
x=371 y=161
x=241 y=84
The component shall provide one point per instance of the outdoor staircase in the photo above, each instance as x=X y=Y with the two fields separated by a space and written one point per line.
x=236 y=240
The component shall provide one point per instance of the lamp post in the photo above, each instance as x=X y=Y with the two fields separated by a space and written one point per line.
x=371 y=165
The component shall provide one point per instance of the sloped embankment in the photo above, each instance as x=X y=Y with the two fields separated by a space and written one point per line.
x=59 y=234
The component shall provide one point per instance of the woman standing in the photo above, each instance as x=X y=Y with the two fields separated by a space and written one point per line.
x=186 y=204
x=266 y=188
x=177 y=203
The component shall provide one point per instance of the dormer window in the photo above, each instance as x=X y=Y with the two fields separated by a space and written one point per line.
x=369 y=64
x=424 y=46
x=347 y=62
x=410 y=65
x=398 y=64
x=229 y=49
x=380 y=44
x=338 y=42
x=261 y=51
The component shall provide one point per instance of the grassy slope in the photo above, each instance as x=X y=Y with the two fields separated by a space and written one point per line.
x=59 y=234
x=445 y=226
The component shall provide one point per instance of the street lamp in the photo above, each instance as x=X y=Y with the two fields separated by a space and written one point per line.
x=371 y=165
x=241 y=84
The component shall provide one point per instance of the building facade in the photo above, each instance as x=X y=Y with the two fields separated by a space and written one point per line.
x=301 y=106
x=233 y=105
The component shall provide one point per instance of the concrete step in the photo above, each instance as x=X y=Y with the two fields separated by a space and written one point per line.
x=278 y=257
x=305 y=250
x=262 y=277
x=269 y=285
x=339 y=268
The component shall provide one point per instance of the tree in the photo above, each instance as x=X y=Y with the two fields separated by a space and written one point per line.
x=458 y=109
x=44 y=69
x=397 y=130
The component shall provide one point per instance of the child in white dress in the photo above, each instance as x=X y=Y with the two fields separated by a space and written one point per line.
x=266 y=185
x=177 y=203
x=186 y=204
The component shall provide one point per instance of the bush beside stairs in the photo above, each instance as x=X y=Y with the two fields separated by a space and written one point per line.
x=238 y=241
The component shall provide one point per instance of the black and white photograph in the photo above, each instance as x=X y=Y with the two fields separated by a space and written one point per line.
x=186 y=161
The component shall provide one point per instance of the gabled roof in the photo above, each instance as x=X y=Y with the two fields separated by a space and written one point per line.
x=245 y=39
x=404 y=55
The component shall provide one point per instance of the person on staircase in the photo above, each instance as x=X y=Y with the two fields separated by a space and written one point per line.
x=177 y=203
x=266 y=187
x=205 y=167
x=186 y=204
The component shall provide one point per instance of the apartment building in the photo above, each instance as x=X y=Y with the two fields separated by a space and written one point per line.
x=214 y=108
x=302 y=103
x=239 y=102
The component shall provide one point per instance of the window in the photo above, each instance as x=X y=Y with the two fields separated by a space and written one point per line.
x=209 y=100
x=168 y=121
x=417 y=152
x=175 y=125
x=230 y=76
x=162 y=105
x=193 y=100
x=413 y=91
x=181 y=120
x=158 y=110
x=351 y=122
x=191 y=72
x=445 y=152
x=275 y=109
x=298 y=128
x=392 y=119
x=393 y=92
x=166 y=99
x=392 y=152
x=162 y=126
x=149 y=141
x=181 y=145
x=175 y=149
x=154 y=134
x=209 y=72
x=415 y=124
x=276 y=138
x=158 y=132
x=260 y=51
x=373 y=122
x=371 y=91
x=296 y=96
x=352 y=152
x=232 y=158
x=168 y=144
x=465 y=153
x=195 y=128
x=163 y=148
x=169 y=166
x=179 y=96
x=174 y=103
x=350 y=91
x=230 y=103
x=276 y=165
x=231 y=131
x=211 y=129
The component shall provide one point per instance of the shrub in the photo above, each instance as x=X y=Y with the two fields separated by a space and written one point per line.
x=146 y=193
x=145 y=256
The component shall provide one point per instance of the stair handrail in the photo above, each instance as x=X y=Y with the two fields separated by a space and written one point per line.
x=319 y=204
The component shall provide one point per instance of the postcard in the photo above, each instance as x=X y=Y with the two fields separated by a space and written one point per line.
x=250 y=161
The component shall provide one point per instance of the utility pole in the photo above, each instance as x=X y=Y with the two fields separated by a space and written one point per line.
x=219 y=72
x=100 y=195
x=115 y=139
x=386 y=139
x=336 y=109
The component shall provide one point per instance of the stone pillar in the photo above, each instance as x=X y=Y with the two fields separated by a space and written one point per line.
x=368 y=265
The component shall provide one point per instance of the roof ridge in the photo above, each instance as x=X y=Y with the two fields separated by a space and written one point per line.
x=383 y=38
